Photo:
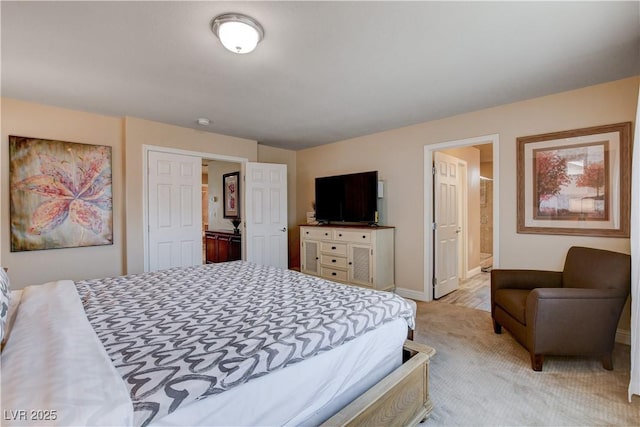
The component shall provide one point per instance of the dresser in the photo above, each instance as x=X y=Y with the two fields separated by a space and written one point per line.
x=355 y=255
x=222 y=246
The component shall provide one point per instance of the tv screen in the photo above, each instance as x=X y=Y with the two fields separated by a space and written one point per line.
x=347 y=198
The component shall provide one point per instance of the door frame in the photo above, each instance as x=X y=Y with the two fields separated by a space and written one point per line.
x=145 y=185
x=463 y=222
x=493 y=139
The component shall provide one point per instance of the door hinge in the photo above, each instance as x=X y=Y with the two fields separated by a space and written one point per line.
x=435 y=282
x=433 y=170
x=434 y=225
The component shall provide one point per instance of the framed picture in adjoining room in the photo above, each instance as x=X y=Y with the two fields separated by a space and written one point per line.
x=60 y=194
x=231 y=195
x=576 y=182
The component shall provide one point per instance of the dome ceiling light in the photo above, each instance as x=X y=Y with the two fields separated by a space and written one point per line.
x=238 y=33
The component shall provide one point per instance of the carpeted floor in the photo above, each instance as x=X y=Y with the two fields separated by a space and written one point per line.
x=480 y=378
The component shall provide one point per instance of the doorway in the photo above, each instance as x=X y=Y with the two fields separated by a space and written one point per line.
x=478 y=213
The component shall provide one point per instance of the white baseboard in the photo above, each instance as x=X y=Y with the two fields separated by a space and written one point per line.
x=474 y=271
x=623 y=336
x=410 y=293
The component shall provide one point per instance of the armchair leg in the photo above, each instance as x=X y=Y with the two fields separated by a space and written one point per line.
x=607 y=361
x=536 y=362
x=497 y=328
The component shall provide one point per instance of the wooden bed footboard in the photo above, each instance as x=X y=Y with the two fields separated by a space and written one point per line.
x=399 y=399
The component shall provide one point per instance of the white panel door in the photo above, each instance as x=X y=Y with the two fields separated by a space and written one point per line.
x=445 y=205
x=175 y=206
x=266 y=214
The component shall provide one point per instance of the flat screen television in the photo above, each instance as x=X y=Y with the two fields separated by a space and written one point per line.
x=347 y=198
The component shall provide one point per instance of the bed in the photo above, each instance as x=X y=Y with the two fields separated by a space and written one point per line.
x=219 y=344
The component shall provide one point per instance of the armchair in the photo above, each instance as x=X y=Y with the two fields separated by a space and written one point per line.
x=574 y=312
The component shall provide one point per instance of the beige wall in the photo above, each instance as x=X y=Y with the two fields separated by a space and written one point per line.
x=41 y=121
x=140 y=132
x=127 y=136
x=268 y=154
x=471 y=156
x=398 y=155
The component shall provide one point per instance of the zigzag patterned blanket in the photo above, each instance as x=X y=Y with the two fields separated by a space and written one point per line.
x=183 y=334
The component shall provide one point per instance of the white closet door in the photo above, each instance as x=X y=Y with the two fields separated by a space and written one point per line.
x=175 y=206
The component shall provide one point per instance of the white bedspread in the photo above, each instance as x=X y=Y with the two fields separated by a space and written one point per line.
x=57 y=372
x=182 y=335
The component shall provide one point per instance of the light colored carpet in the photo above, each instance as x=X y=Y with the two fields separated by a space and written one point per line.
x=480 y=378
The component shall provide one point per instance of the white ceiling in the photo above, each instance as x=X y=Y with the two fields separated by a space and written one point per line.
x=325 y=71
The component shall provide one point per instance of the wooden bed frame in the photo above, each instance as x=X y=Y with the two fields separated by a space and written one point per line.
x=399 y=399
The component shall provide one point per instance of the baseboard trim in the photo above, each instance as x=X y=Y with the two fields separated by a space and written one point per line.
x=623 y=336
x=410 y=293
x=474 y=271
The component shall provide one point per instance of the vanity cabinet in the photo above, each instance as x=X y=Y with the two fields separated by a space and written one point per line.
x=222 y=246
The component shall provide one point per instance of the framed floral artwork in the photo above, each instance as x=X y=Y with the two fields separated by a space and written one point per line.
x=60 y=194
x=576 y=182
x=230 y=195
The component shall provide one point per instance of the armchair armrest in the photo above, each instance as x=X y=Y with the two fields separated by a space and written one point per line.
x=572 y=320
x=525 y=279
x=522 y=279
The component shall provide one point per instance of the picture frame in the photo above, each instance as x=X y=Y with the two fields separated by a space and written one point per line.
x=231 y=195
x=60 y=194
x=575 y=182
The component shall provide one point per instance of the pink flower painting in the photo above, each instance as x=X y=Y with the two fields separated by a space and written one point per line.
x=60 y=194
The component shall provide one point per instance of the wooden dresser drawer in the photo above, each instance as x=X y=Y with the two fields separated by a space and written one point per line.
x=333 y=261
x=333 y=274
x=316 y=233
x=353 y=236
x=333 y=248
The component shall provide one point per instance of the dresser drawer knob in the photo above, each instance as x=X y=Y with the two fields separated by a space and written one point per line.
x=334 y=273
x=333 y=260
x=326 y=234
x=364 y=237
x=340 y=235
x=333 y=248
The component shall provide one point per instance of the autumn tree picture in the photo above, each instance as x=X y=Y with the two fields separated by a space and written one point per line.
x=570 y=182
x=551 y=175
x=575 y=182
x=593 y=177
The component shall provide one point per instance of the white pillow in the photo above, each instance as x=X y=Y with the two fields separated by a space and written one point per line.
x=5 y=297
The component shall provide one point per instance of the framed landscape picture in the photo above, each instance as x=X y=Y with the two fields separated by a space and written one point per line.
x=60 y=194
x=575 y=182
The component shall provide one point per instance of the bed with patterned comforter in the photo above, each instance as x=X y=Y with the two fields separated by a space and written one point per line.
x=181 y=335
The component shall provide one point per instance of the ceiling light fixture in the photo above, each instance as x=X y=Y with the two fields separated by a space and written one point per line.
x=238 y=33
x=203 y=121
